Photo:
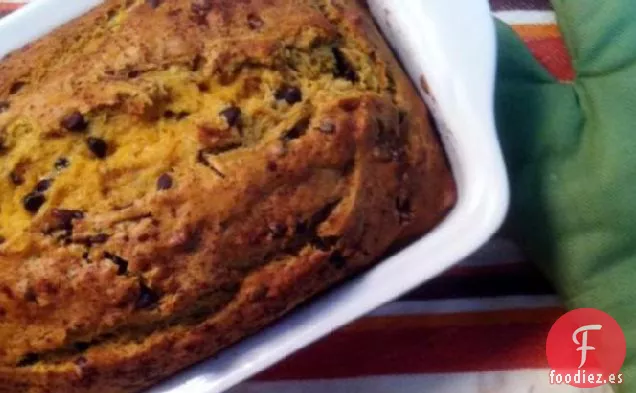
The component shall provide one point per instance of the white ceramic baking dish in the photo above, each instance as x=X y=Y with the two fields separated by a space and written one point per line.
x=452 y=44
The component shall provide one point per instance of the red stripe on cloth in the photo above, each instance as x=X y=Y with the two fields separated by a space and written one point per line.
x=553 y=54
x=468 y=318
x=9 y=7
x=406 y=346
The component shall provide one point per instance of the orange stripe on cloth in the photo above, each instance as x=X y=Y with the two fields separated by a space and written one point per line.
x=547 y=45
x=553 y=54
x=414 y=345
x=537 y=32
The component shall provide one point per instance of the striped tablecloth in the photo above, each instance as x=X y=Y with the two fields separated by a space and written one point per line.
x=481 y=327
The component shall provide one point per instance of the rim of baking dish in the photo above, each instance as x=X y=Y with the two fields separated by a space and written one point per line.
x=452 y=43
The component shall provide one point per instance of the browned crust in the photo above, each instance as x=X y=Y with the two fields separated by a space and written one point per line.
x=268 y=292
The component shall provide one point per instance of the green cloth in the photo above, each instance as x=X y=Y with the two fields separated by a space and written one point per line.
x=571 y=154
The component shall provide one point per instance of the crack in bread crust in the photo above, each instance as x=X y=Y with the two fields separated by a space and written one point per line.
x=177 y=174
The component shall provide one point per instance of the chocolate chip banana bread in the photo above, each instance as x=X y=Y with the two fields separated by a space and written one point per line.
x=176 y=174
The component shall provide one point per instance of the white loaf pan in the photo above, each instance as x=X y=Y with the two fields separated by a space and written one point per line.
x=451 y=43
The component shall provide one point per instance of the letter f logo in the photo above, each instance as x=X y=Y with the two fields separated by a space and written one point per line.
x=583 y=344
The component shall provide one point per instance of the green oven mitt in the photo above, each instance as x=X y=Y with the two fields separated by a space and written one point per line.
x=571 y=154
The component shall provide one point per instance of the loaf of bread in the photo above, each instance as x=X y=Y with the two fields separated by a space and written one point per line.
x=176 y=174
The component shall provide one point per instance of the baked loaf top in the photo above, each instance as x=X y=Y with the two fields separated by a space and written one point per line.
x=175 y=174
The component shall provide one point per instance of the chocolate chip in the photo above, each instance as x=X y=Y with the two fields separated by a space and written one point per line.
x=133 y=74
x=16 y=87
x=97 y=146
x=344 y=69
x=30 y=295
x=327 y=127
x=277 y=229
x=61 y=163
x=254 y=21
x=164 y=182
x=298 y=130
x=43 y=185
x=178 y=116
x=29 y=360
x=232 y=115
x=121 y=263
x=4 y=106
x=290 y=94
x=153 y=3
x=147 y=297
x=33 y=201
x=6 y=291
x=75 y=122
x=111 y=14
x=337 y=260
x=81 y=346
x=197 y=62
x=65 y=217
x=349 y=104
x=272 y=166
x=301 y=227
x=16 y=178
x=402 y=115
x=2 y=239
x=293 y=95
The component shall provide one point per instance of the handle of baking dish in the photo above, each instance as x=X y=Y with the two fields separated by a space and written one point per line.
x=449 y=51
